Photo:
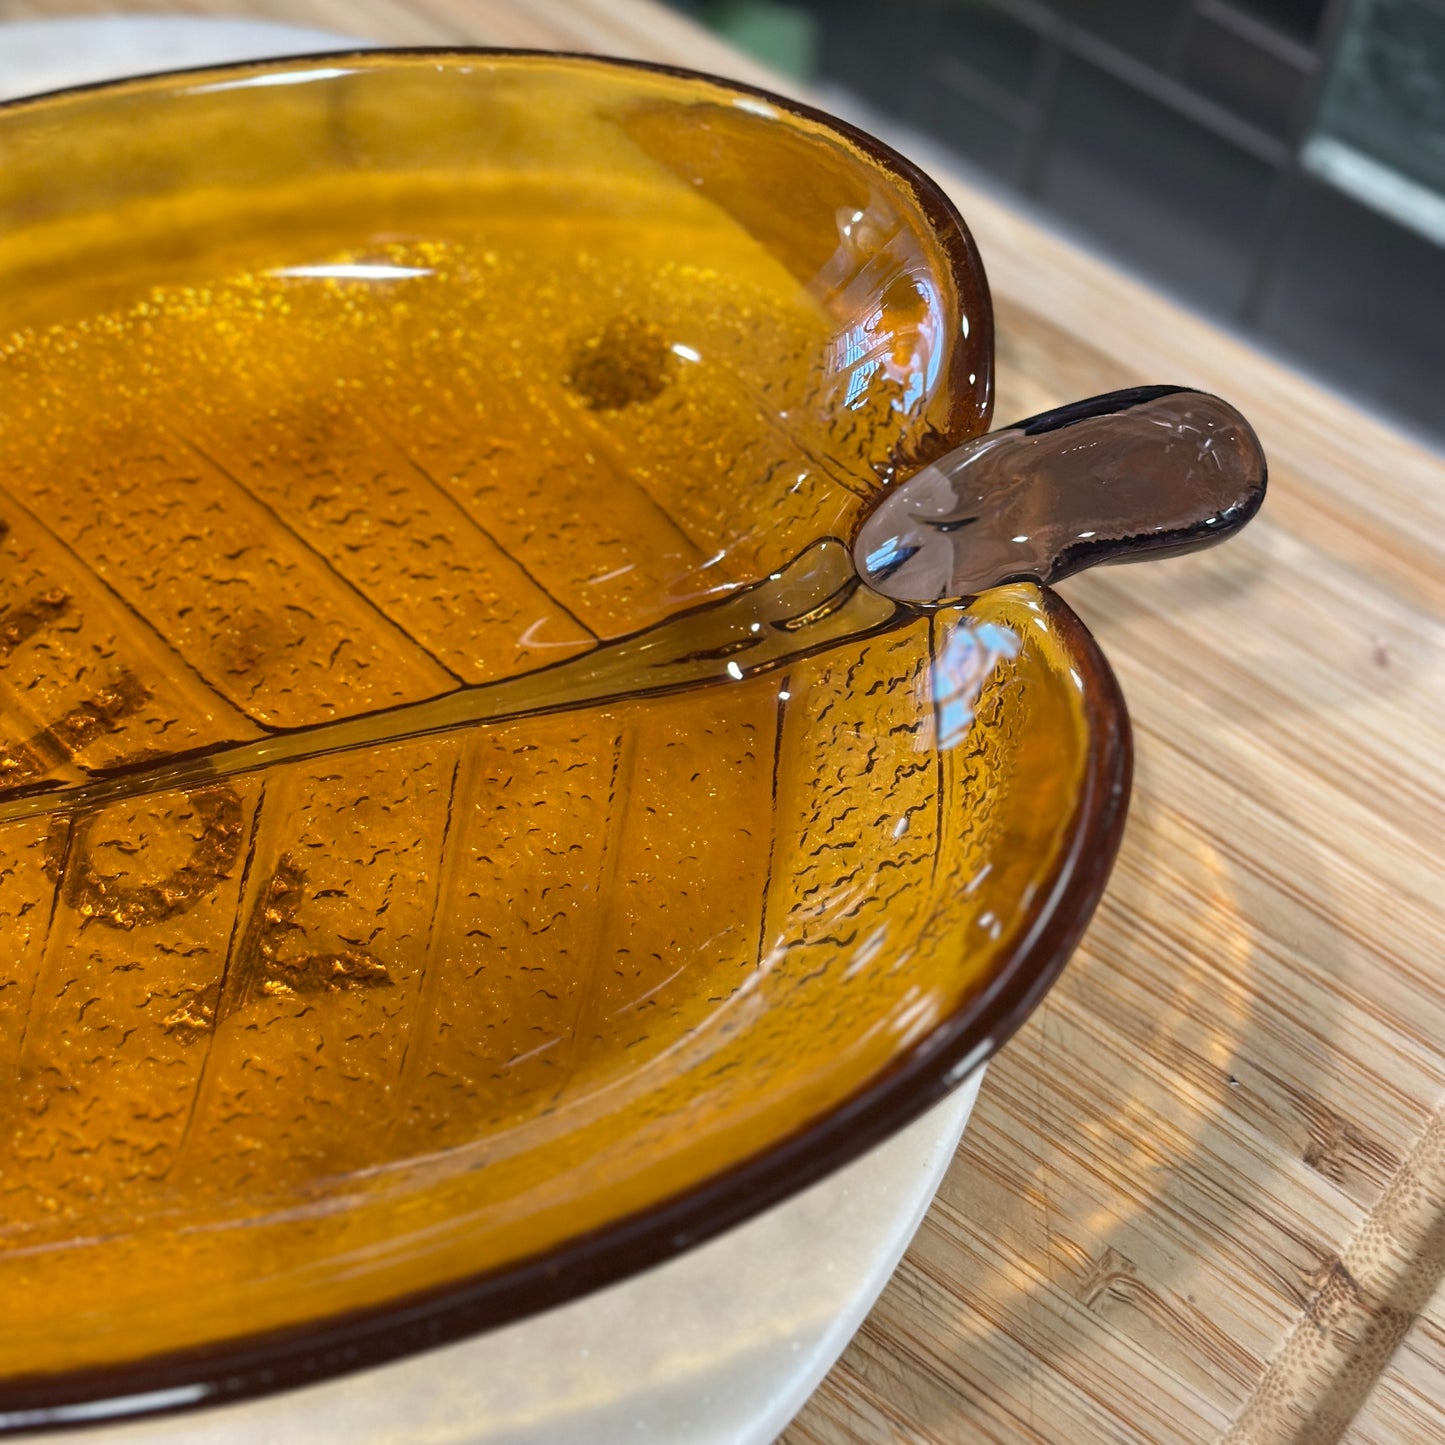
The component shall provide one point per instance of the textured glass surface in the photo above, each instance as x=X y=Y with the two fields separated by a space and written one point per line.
x=454 y=793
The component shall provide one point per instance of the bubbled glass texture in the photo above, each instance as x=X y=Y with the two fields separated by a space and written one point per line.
x=453 y=794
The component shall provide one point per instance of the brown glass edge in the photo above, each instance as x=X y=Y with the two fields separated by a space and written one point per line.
x=931 y=1068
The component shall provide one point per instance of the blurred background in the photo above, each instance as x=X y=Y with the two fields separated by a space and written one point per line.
x=1277 y=164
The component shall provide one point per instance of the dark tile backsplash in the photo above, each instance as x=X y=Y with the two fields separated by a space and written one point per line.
x=1254 y=84
x=874 y=49
x=957 y=109
x=996 y=46
x=1367 y=295
x=1387 y=93
x=1167 y=195
x=1170 y=133
x=1299 y=18
x=1142 y=27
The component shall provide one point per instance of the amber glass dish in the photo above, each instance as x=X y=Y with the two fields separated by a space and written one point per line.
x=465 y=832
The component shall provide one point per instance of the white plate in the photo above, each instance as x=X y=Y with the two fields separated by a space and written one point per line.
x=38 y=55
x=720 y=1346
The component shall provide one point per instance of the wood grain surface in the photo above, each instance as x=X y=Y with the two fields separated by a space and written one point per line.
x=1203 y=1194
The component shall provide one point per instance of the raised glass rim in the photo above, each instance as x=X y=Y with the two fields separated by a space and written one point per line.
x=919 y=1075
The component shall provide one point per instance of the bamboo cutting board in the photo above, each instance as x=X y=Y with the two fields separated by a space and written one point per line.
x=1203 y=1194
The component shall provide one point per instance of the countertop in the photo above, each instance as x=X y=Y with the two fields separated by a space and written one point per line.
x=1202 y=1197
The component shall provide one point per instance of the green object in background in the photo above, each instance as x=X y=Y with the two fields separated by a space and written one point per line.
x=783 y=36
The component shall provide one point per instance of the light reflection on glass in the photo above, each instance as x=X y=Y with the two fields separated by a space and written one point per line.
x=280 y=77
x=890 y=306
x=352 y=271
x=963 y=666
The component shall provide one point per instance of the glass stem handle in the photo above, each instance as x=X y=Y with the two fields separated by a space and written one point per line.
x=1132 y=474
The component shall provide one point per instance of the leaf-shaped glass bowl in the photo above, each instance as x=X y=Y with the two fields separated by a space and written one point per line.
x=466 y=831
